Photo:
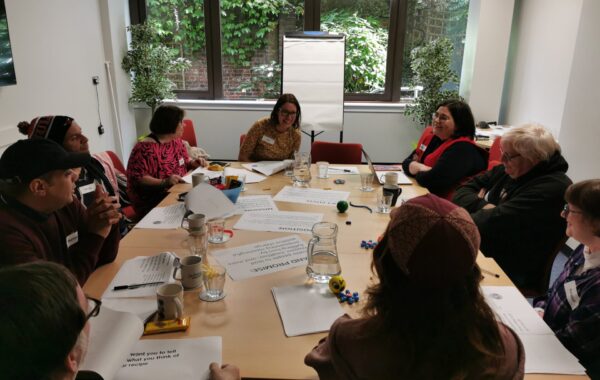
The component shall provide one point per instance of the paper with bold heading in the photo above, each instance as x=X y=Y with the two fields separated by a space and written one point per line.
x=115 y=352
x=311 y=196
x=142 y=270
x=306 y=309
x=210 y=201
x=268 y=167
x=264 y=257
x=543 y=351
x=162 y=218
x=278 y=221
x=181 y=359
x=262 y=203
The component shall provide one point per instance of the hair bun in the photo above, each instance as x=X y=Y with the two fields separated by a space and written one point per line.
x=24 y=127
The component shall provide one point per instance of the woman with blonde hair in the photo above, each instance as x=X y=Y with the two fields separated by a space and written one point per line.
x=517 y=205
x=425 y=317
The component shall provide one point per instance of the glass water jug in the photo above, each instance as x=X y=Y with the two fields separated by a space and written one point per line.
x=323 y=261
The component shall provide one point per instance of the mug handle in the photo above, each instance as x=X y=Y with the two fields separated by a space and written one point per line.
x=176 y=265
x=179 y=307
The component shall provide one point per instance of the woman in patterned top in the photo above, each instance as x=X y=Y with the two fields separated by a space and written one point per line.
x=277 y=137
x=159 y=160
x=572 y=306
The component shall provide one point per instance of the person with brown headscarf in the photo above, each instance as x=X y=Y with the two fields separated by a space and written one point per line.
x=426 y=317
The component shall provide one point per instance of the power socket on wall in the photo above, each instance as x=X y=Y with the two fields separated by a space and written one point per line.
x=95 y=80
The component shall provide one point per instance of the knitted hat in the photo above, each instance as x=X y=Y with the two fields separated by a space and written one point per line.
x=433 y=241
x=47 y=127
x=28 y=159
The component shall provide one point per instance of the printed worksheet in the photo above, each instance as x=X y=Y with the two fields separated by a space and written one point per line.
x=311 y=196
x=278 y=221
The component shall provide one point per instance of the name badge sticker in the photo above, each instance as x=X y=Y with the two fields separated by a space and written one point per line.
x=83 y=190
x=181 y=161
x=268 y=140
x=423 y=147
x=72 y=239
x=572 y=295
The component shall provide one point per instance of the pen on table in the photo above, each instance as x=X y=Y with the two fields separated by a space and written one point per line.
x=490 y=273
x=135 y=286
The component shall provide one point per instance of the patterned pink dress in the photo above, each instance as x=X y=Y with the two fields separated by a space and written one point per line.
x=158 y=160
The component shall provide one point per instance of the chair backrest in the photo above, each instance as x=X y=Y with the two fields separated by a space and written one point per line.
x=495 y=157
x=189 y=134
x=544 y=282
x=116 y=161
x=242 y=138
x=336 y=153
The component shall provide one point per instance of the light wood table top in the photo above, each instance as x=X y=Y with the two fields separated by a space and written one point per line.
x=247 y=318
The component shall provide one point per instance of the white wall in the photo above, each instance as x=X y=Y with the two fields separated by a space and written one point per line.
x=57 y=47
x=580 y=130
x=544 y=39
x=386 y=134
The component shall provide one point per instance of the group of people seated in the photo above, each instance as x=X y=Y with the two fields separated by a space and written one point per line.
x=425 y=305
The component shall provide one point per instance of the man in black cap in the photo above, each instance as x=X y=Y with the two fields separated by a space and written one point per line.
x=40 y=219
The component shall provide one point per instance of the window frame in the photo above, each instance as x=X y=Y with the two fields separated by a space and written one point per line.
x=312 y=16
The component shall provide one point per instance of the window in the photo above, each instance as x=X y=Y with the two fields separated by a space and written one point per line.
x=235 y=45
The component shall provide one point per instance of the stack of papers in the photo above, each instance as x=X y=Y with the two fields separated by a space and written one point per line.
x=306 y=309
x=268 y=167
x=543 y=351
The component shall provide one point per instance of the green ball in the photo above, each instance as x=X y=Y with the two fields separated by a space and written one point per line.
x=342 y=206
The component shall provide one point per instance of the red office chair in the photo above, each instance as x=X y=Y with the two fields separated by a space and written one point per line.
x=242 y=138
x=495 y=154
x=189 y=134
x=128 y=210
x=336 y=153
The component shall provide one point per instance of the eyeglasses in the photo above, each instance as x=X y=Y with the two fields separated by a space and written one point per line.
x=439 y=116
x=93 y=306
x=567 y=210
x=508 y=157
x=285 y=113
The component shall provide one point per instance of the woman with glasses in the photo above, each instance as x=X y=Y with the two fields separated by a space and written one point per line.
x=517 y=205
x=572 y=306
x=446 y=154
x=276 y=137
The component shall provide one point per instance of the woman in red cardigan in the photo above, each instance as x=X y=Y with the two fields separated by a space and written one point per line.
x=446 y=154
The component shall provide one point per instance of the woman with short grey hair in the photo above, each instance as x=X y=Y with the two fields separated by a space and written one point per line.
x=517 y=205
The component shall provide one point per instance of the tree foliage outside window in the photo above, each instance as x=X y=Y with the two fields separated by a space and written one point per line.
x=366 y=50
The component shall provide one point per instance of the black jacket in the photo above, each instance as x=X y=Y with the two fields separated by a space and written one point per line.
x=525 y=226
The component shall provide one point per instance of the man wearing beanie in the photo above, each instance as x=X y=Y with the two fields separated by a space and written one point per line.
x=41 y=220
x=425 y=318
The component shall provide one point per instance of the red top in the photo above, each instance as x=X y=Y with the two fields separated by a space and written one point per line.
x=158 y=160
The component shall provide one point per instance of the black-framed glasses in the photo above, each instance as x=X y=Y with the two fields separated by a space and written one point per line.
x=285 y=113
x=567 y=210
x=93 y=307
x=508 y=157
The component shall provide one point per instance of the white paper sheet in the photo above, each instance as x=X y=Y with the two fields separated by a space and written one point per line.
x=141 y=307
x=262 y=203
x=251 y=177
x=208 y=200
x=163 y=218
x=402 y=178
x=142 y=270
x=262 y=258
x=306 y=309
x=268 y=167
x=278 y=221
x=181 y=359
x=112 y=334
x=543 y=351
x=208 y=173
x=311 y=196
x=337 y=170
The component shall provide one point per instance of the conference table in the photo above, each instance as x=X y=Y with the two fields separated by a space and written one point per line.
x=247 y=318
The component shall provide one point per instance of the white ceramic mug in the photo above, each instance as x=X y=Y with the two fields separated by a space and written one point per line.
x=190 y=268
x=169 y=298
x=193 y=223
